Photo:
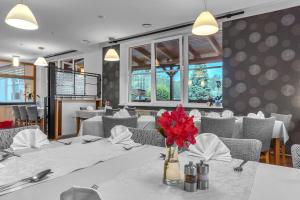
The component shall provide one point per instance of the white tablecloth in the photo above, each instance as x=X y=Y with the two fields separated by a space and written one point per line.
x=279 y=130
x=269 y=182
x=86 y=114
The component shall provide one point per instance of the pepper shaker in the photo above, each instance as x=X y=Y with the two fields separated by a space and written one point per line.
x=202 y=176
x=190 y=180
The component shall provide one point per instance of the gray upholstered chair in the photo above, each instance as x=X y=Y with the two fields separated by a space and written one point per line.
x=23 y=114
x=110 y=122
x=222 y=127
x=32 y=113
x=147 y=136
x=109 y=112
x=286 y=120
x=244 y=149
x=17 y=115
x=132 y=111
x=260 y=129
x=7 y=135
x=296 y=155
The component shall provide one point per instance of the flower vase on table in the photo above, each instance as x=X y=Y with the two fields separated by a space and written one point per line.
x=180 y=131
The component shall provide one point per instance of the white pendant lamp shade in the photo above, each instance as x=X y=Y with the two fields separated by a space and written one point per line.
x=21 y=17
x=41 y=61
x=205 y=24
x=111 y=55
x=16 y=61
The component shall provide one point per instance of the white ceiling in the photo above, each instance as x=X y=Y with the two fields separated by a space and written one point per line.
x=63 y=24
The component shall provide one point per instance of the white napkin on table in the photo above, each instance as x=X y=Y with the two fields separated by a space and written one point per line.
x=227 y=114
x=261 y=115
x=160 y=112
x=209 y=147
x=252 y=115
x=213 y=115
x=121 y=114
x=196 y=113
x=80 y=193
x=29 y=138
x=121 y=135
x=89 y=108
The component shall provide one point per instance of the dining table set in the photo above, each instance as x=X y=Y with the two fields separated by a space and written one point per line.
x=117 y=173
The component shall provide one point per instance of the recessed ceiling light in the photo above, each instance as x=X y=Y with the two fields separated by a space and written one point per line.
x=147 y=25
x=100 y=16
x=86 y=41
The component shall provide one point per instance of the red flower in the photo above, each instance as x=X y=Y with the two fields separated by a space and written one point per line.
x=177 y=127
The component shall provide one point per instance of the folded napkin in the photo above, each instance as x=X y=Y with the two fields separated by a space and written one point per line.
x=121 y=114
x=209 y=147
x=160 y=112
x=79 y=193
x=107 y=107
x=121 y=135
x=252 y=115
x=29 y=138
x=89 y=108
x=213 y=115
x=227 y=114
x=196 y=113
x=261 y=115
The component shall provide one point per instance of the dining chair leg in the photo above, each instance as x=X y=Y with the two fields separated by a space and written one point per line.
x=283 y=154
x=277 y=151
x=267 y=157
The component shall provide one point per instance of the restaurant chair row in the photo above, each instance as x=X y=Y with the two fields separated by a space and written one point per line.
x=27 y=115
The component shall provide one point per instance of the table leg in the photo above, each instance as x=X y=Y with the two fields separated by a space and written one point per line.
x=277 y=151
x=77 y=125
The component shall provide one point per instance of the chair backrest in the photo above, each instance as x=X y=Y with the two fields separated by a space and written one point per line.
x=295 y=150
x=32 y=113
x=222 y=127
x=147 y=136
x=244 y=149
x=109 y=112
x=7 y=135
x=110 y=122
x=286 y=119
x=16 y=112
x=260 y=129
x=23 y=112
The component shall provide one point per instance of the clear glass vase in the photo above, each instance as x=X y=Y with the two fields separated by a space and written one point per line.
x=171 y=174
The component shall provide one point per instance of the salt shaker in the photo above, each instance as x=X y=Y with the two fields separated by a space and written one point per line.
x=202 y=176
x=190 y=180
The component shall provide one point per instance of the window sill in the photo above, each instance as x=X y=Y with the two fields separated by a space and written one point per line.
x=172 y=105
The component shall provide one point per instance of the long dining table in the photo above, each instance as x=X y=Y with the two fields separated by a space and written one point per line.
x=137 y=174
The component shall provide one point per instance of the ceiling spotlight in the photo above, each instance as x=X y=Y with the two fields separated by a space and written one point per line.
x=100 y=16
x=147 y=25
x=21 y=17
x=86 y=41
x=16 y=61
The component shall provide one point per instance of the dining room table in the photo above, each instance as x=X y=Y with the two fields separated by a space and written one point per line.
x=86 y=114
x=137 y=174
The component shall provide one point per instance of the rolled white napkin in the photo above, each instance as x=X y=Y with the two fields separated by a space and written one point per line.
x=227 y=114
x=261 y=115
x=196 y=113
x=121 y=114
x=89 y=108
x=121 y=135
x=80 y=193
x=29 y=138
x=160 y=112
x=213 y=115
x=209 y=147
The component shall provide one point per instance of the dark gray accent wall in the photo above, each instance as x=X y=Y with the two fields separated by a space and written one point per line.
x=262 y=65
x=111 y=79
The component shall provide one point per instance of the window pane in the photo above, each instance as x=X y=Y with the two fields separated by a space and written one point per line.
x=167 y=65
x=16 y=90
x=22 y=70
x=205 y=68
x=140 y=64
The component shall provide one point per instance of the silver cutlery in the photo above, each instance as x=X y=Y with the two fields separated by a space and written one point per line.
x=11 y=153
x=33 y=179
x=127 y=148
x=240 y=168
x=85 y=141
x=4 y=157
x=162 y=155
x=65 y=143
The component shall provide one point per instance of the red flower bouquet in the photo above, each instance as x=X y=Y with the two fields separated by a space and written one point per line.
x=177 y=127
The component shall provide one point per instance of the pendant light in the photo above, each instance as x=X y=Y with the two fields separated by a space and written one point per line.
x=205 y=24
x=111 y=54
x=21 y=17
x=41 y=61
x=16 y=61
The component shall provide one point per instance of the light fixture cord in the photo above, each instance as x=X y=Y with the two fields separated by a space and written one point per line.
x=205 y=5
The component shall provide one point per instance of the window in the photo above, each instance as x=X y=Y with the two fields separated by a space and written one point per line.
x=17 y=84
x=140 y=65
x=167 y=67
x=205 y=72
